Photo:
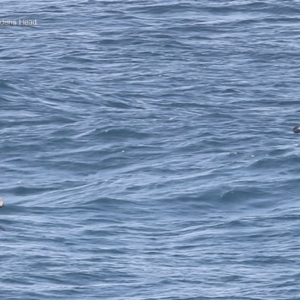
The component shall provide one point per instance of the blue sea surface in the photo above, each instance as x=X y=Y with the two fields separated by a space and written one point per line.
x=147 y=150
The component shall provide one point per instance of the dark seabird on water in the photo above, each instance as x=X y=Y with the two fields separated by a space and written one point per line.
x=297 y=129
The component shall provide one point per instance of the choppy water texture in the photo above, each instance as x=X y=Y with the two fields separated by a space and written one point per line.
x=147 y=150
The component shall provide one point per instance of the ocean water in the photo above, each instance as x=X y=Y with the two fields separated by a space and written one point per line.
x=147 y=150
